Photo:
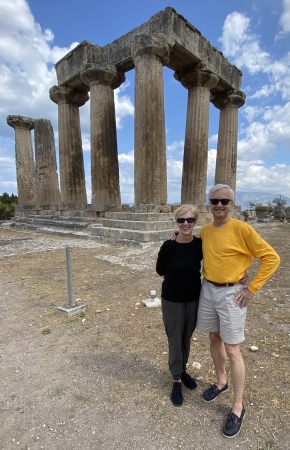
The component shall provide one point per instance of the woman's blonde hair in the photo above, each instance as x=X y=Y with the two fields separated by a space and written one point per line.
x=183 y=209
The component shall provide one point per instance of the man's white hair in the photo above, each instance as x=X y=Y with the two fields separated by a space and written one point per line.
x=217 y=187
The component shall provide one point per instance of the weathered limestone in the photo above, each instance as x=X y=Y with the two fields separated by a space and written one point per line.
x=190 y=47
x=150 y=53
x=45 y=163
x=226 y=163
x=198 y=82
x=71 y=161
x=25 y=168
x=102 y=81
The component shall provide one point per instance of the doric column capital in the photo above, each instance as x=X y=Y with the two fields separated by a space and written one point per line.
x=196 y=76
x=68 y=94
x=230 y=98
x=157 y=44
x=20 y=122
x=107 y=75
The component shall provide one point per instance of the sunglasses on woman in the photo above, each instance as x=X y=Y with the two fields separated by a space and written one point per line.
x=215 y=201
x=188 y=220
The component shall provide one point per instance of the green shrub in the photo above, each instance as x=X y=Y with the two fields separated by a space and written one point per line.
x=7 y=203
x=262 y=208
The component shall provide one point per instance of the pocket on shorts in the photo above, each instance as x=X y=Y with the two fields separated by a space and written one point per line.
x=235 y=290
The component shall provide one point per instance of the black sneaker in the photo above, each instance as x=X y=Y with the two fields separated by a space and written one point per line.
x=213 y=391
x=188 y=381
x=176 y=394
x=233 y=424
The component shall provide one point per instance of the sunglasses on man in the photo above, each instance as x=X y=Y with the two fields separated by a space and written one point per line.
x=215 y=201
x=188 y=220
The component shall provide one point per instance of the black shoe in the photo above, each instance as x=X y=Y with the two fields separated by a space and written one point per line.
x=176 y=394
x=213 y=391
x=233 y=424
x=188 y=381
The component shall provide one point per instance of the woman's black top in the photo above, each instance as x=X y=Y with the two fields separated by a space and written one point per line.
x=180 y=265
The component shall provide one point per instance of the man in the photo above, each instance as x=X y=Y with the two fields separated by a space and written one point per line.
x=228 y=248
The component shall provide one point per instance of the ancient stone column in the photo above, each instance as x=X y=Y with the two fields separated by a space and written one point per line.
x=102 y=81
x=45 y=163
x=226 y=163
x=149 y=54
x=195 y=157
x=71 y=160
x=25 y=168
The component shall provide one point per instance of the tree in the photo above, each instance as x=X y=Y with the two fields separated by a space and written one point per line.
x=7 y=203
x=279 y=202
x=259 y=207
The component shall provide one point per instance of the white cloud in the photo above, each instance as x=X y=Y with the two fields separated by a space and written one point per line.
x=175 y=146
x=250 y=112
x=285 y=17
x=242 y=46
x=86 y=142
x=257 y=143
x=234 y=33
x=126 y=168
x=213 y=139
x=265 y=179
x=27 y=58
x=26 y=64
x=267 y=131
x=7 y=165
x=265 y=137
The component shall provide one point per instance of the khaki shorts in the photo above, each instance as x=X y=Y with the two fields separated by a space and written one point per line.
x=217 y=312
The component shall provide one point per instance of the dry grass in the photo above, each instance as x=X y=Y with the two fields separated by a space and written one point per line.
x=128 y=341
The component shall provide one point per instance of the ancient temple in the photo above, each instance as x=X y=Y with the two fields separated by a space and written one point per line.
x=91 y=72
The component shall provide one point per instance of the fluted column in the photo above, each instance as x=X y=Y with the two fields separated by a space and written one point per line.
x=25 y=168
x=149 y=54
x=226 y=162
x=195 y=157
x=45 y=163
x=71 y=160
x=102 y=81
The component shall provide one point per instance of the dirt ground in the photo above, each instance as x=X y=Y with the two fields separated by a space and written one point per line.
x=99 y=380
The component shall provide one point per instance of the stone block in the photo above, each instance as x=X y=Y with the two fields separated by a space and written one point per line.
x=190 y=48
x=71 y=311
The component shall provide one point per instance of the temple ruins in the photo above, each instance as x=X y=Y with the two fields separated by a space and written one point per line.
x=91 y=73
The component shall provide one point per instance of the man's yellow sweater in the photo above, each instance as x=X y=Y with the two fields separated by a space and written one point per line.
x=228 y=253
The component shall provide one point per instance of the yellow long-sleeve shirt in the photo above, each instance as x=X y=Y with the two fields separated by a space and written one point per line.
x=228 y=253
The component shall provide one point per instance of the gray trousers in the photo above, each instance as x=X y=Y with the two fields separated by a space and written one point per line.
x=179 y=322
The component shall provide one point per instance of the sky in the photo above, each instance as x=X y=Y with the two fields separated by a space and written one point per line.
x=253 y=35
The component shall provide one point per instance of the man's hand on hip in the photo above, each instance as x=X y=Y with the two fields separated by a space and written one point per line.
x=243 y=298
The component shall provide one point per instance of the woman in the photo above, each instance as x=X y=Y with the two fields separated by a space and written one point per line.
x=179 y=261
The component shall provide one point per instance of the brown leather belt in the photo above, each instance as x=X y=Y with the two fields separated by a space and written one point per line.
x=220 y=284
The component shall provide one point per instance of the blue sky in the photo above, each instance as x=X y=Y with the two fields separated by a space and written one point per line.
x=253 y=35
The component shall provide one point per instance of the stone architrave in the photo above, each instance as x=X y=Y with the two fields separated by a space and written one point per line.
x=45 y=163
x=102 y=81
x=71 y=160
x=195 y=158
x=25 y=168
x=150 y=53
x=226 y=162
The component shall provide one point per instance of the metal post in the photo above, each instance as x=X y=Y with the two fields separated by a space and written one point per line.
x=69 y=278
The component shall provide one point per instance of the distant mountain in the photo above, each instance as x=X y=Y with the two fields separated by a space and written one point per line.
x=243 y=199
